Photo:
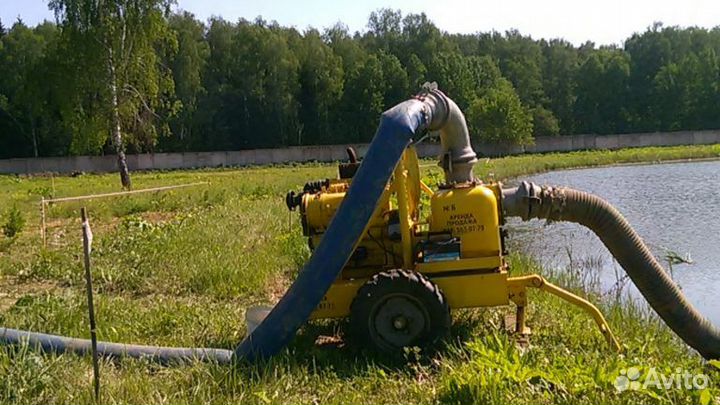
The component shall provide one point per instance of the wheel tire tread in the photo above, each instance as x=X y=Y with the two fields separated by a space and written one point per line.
x=388 y=280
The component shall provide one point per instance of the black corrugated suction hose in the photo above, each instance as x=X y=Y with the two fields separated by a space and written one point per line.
x=661 y=292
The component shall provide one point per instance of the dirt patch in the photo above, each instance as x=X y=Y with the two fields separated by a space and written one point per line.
x=60 y=231
x=276 y=287
x=157 y=217
x=11 y=290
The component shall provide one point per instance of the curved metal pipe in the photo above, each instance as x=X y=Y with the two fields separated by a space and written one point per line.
x=457 y=157
x=565 y=204
x=398 y=126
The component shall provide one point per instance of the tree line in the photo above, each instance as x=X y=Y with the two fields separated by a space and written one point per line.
x=119 y=75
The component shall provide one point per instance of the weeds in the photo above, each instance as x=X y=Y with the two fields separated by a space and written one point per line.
x=179 y=268
x=14 y=223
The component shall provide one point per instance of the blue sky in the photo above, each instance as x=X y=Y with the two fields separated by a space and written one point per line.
x=601 y=21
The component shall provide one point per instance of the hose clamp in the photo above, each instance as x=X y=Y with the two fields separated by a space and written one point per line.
x=431 y=90
x=529 y=192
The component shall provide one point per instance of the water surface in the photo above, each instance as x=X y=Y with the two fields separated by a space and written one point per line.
x=674 y=207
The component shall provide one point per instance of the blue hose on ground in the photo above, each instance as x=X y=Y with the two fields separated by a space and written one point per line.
x=163 y=355
x=397 y=127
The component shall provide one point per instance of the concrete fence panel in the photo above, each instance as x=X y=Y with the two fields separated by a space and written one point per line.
x=328 y=153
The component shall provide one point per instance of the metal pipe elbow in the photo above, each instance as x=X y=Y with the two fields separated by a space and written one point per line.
x=457 y=157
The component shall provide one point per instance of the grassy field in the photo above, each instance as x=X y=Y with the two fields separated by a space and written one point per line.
x=181 y=267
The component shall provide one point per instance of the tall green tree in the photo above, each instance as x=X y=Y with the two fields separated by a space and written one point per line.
x=520 y=60
x=363 y=101
x=420 y=37
x=384 y=30
x=27 y=103
x=395 y=79
x=321 y=85
x=187 y=66
x=544 y=122
x=116 y=44
x=601 y=109
x=463 y=78
x=252 y=82
x=559 y=71
x=688 y=92
x=416 y=71
x=347 y=48
x=648 y=52
x=499 y=116
x=212 y=119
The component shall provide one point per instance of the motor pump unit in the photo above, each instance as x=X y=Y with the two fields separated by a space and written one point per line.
x=423 y=252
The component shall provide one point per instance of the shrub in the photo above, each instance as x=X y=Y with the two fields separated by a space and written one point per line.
x=15 y=222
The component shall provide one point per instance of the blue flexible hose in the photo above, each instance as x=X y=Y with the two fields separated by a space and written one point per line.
x=397 y=127
x=62 y=344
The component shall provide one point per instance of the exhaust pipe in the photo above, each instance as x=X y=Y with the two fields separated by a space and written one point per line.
x=565 y=204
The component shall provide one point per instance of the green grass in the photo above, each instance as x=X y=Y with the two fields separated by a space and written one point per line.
x=180 y=267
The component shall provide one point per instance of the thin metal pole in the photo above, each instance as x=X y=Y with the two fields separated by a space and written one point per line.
x=42 y=221
x=87 y=246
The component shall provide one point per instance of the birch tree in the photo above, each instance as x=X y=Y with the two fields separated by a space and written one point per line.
x=118 y=47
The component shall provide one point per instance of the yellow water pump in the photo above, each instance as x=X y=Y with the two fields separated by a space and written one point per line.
x=408 y=270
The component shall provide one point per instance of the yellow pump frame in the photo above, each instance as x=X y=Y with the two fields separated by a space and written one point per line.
x=466 y=283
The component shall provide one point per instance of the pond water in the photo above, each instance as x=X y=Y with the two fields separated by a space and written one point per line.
x=674 y=207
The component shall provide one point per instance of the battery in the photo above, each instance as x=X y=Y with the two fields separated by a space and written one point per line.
x=440 y=250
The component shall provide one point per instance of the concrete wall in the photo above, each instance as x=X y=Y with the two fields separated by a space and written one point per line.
x=328 y=153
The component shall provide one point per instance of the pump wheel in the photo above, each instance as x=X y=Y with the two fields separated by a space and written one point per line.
x=397 y=309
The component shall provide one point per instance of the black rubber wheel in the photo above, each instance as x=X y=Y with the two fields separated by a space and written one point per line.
x=397 y=309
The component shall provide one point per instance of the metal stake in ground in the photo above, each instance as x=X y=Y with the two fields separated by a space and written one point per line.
x=87 y=247
x=43 y=226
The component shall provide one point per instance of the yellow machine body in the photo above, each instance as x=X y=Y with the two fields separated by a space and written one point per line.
x=467 y=217
x=320 y=207
x=461 y=291
x=470 y=213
